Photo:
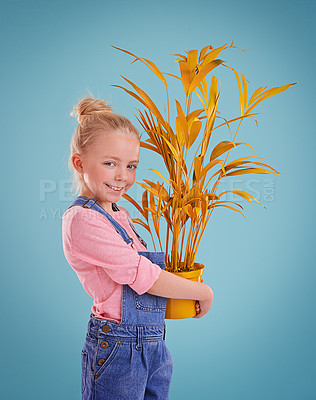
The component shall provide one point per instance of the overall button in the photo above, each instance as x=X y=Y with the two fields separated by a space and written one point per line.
x=101 y=361
x=104 y=344
x=105 y=328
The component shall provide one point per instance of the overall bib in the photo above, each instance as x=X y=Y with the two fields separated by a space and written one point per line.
x=130 y=360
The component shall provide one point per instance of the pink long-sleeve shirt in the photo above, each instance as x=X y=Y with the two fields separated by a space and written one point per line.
x=102 y=260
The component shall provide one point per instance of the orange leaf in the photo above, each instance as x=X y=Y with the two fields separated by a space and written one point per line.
x=148 y=146
x=127 y=52
x=203 y=52
x=269 y=93
x=243 y=171
x=213 y=95
x=204 y=71
x=243 y=194
x=185 y=75
x=224 y=146
x=194 y=129
x=223 y=205
x=174 y=76
x=192 y=59
x=135 y=204
x=183 y=124
x=148 y=188
x=245 y=87
x=161 y=176
x=213 y=54
x=156 y=71
x=145 y=203
x=241 y=96
x=256 y=93
x=142 y=223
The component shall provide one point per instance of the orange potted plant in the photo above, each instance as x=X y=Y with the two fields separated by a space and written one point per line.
x=187 y=193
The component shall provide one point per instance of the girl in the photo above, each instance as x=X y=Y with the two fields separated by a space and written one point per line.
x=124 y=355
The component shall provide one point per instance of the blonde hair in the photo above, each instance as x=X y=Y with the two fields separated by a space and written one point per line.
x=95 y=118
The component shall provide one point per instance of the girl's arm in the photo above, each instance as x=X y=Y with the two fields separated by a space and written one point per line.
x=176 y=287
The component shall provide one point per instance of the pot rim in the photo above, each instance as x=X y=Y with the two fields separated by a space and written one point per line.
x=192 y=274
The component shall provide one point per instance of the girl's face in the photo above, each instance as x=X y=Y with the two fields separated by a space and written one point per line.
x=109 y=168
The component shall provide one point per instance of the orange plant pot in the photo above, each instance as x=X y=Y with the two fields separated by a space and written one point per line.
x=183 y=308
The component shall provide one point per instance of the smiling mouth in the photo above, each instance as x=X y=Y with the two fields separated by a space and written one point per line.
x=115 y=188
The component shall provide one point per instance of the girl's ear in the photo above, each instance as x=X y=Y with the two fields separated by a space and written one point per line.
x=77 y=163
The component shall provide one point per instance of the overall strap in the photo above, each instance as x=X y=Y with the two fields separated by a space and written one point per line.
x=85 y=202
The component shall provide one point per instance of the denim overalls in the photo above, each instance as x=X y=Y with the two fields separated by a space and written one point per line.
x=130 y=360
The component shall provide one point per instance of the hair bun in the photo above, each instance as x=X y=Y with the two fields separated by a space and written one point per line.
x=89 y=106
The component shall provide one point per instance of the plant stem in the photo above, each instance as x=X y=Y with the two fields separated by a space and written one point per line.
x=186 y=105
x=168 y=105
x=167 y=241
x=182 y=241
x=187 y=251
x=152 y=238
x=189 y=104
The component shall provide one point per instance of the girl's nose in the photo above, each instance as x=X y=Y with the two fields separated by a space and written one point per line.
x=121 y=175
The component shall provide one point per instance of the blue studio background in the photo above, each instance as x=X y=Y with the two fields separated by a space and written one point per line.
x=257 y=342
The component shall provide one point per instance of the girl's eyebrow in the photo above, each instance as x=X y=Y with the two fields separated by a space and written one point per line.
x=117 y=158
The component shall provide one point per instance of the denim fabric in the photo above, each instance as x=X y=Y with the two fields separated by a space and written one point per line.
x=130 y=360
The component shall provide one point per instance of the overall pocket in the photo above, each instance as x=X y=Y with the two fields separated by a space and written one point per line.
x=108 y=348
x=150 y=302
x=84 y=362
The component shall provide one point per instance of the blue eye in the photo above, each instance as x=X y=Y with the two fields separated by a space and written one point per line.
x=111 y=163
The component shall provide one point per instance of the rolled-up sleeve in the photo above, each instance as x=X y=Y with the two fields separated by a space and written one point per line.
x=94 y=240
x=146 y=275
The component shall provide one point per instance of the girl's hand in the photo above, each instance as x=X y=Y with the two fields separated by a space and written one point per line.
x=203 y=306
